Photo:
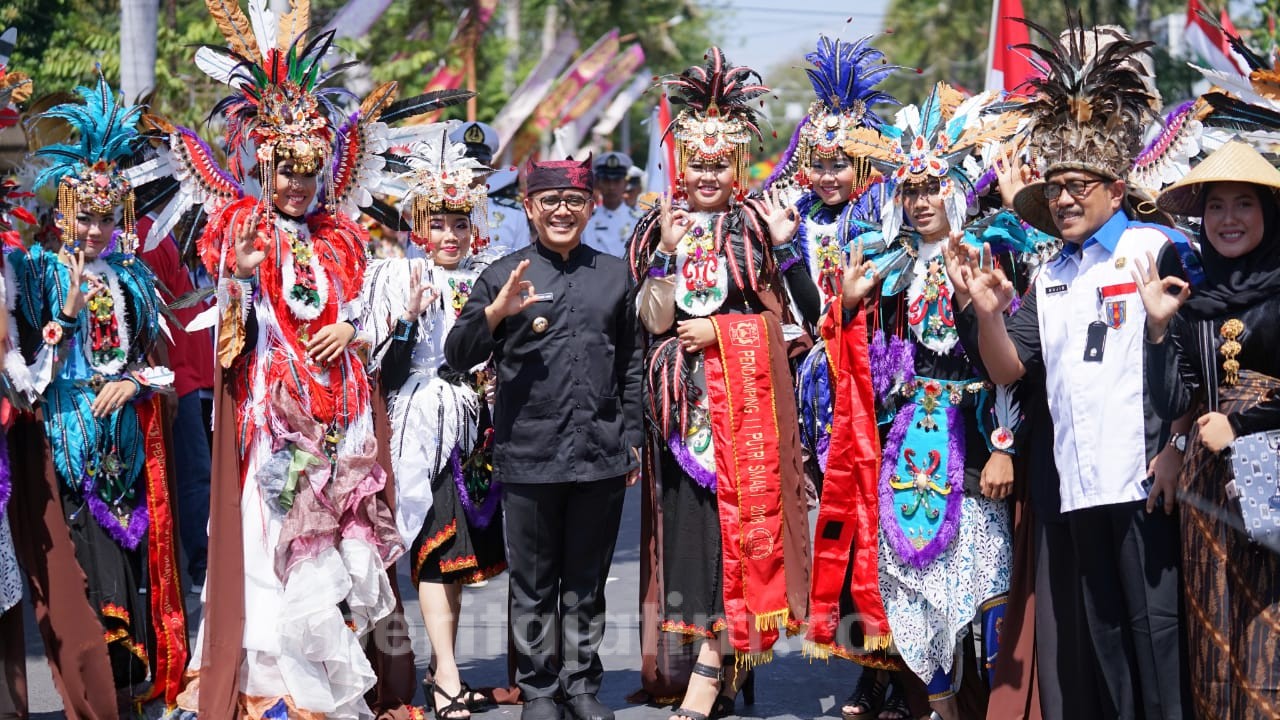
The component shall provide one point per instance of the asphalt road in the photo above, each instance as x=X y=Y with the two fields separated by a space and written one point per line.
x=789 y=687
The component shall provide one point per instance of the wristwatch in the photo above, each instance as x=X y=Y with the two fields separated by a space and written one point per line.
x=1179 y=442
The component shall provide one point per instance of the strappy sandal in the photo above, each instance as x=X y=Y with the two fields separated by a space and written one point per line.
x=726 y=705
x=896 y=703
x=715 y=675
x=455 y=704
x=476 y=701
x=868 y=694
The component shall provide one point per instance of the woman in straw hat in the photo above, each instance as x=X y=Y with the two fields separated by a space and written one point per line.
x=1231 y=587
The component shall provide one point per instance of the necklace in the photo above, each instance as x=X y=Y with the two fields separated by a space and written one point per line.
x=1231 y=330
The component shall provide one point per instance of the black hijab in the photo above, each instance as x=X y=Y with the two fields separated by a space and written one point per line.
x=1235 y=284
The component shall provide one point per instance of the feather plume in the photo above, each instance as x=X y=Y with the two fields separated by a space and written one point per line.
x=235 y=27
x=263 y=20
x=375 y=102
x=294 y=24
x=424 y=103
x=728 y=88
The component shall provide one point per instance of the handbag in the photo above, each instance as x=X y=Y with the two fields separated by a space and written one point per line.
x=1255 y=464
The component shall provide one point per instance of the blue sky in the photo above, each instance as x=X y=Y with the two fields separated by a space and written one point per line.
x=762 y=33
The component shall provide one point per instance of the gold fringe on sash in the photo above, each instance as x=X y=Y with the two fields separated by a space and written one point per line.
x=775 y=620
x=877 y=642
x=751 y=660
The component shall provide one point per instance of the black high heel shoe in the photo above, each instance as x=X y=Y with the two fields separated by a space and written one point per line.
x=726 y=705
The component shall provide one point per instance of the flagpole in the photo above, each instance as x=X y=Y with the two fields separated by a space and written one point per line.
x=991 y=44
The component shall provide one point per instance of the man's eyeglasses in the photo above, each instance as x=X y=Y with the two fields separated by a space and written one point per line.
x=1077 y=189
x=573 y=201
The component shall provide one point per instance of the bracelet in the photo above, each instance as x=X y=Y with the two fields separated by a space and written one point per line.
x=69 y=323
x=786 y=255
x=662 y=264
x=403 y=330
x=137 y=386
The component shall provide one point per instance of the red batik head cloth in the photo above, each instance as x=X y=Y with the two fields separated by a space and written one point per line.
x=558 y=175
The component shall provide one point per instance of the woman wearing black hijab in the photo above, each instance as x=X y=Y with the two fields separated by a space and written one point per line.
x=1231 y=587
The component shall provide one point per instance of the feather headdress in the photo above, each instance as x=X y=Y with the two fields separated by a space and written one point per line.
x=15 y=87
x=717 y=120
x=936 y=143
x=443 y=179
x=1091 y=110
x=1093 y=101
x=281 y=108
x=87 y=173
x=844 y=76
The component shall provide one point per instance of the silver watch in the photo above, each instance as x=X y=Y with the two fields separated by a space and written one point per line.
x=1179 y=442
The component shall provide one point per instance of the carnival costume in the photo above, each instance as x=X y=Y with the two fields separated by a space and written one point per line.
x=111 y=472
x=302 y=536
x=943 y=549
x=724 y=511
x=844 y=78
x=446 y=503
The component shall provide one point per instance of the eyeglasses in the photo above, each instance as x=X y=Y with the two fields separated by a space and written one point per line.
x=1077 y=189
x=573 y=201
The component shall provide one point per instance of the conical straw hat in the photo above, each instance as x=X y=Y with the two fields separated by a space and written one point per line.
x=1236 y=161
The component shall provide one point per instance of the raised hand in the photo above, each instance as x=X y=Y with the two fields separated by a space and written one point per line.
x=988 y=287
x=1011 y=174
x=248 y=255
x=1162 y=297
x=956 y=255
x=74 y=302
x=674 y=223
x=516 y=295
x=860 y=278
x=421 y=295
x=782 y=219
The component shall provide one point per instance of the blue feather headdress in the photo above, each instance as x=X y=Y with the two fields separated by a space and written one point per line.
x=87 y=173
x=844 y=77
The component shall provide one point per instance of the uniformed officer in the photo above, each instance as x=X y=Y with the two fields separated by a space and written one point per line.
x=610 y=225
x=508 y=224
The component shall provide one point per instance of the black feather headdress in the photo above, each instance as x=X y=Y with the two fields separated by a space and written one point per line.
x=1093 y=101
x=718 y=120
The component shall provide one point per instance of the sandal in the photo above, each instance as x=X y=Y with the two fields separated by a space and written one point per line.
x=716 y=675
x=456 y=704
x=867 y=694
x=896 y=703
x=476 y=701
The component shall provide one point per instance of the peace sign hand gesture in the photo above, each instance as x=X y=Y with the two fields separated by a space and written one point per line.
x=989 y=288
x=1162 y=297
x=516 y=295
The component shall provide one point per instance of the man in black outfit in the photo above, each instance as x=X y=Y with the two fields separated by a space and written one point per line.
x=558 y=318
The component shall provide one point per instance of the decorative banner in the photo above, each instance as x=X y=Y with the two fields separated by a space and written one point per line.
x=357 y=17
x=451 y=71
x=660 y=173
x=584 y=70
x=1209 y=43
x=535 y=87
x=618 y=108
x=592 y=101
x=1008 y=68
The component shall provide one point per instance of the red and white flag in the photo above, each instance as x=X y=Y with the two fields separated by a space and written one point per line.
x=1209 y=44
x=1007 y=67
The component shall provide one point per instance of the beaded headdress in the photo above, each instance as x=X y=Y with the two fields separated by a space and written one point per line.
x=934 y=143
x=717 y=121
x=844 y=76
x=442 y=178
x=87 y=173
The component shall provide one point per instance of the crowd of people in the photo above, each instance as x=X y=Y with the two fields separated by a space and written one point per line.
x=967 y=394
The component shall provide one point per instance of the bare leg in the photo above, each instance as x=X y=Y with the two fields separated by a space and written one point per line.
x=946 y=708
x=701 y=694
x=441 y=605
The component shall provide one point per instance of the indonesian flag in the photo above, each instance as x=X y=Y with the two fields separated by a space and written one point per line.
x=1007 y=67
x=660 y=172
x=1209 y=43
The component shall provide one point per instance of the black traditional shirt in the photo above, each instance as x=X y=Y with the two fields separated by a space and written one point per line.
x=568 y=406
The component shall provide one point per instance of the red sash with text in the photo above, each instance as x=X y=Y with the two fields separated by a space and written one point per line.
x=849 y=516
x=168 y=614
x=744 y=425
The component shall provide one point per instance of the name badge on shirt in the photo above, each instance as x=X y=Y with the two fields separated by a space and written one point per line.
x=1055 y=289
x=544 y=297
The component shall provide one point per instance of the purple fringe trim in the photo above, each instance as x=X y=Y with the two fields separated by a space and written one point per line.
x=1016 y=304
x=955 y=478
x=477 y=517
x=703 y=477
x=658 y=272
x=6 y=487
x=893 y=361
x=788 y=263
x=127 y=537
x=1162 y=137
